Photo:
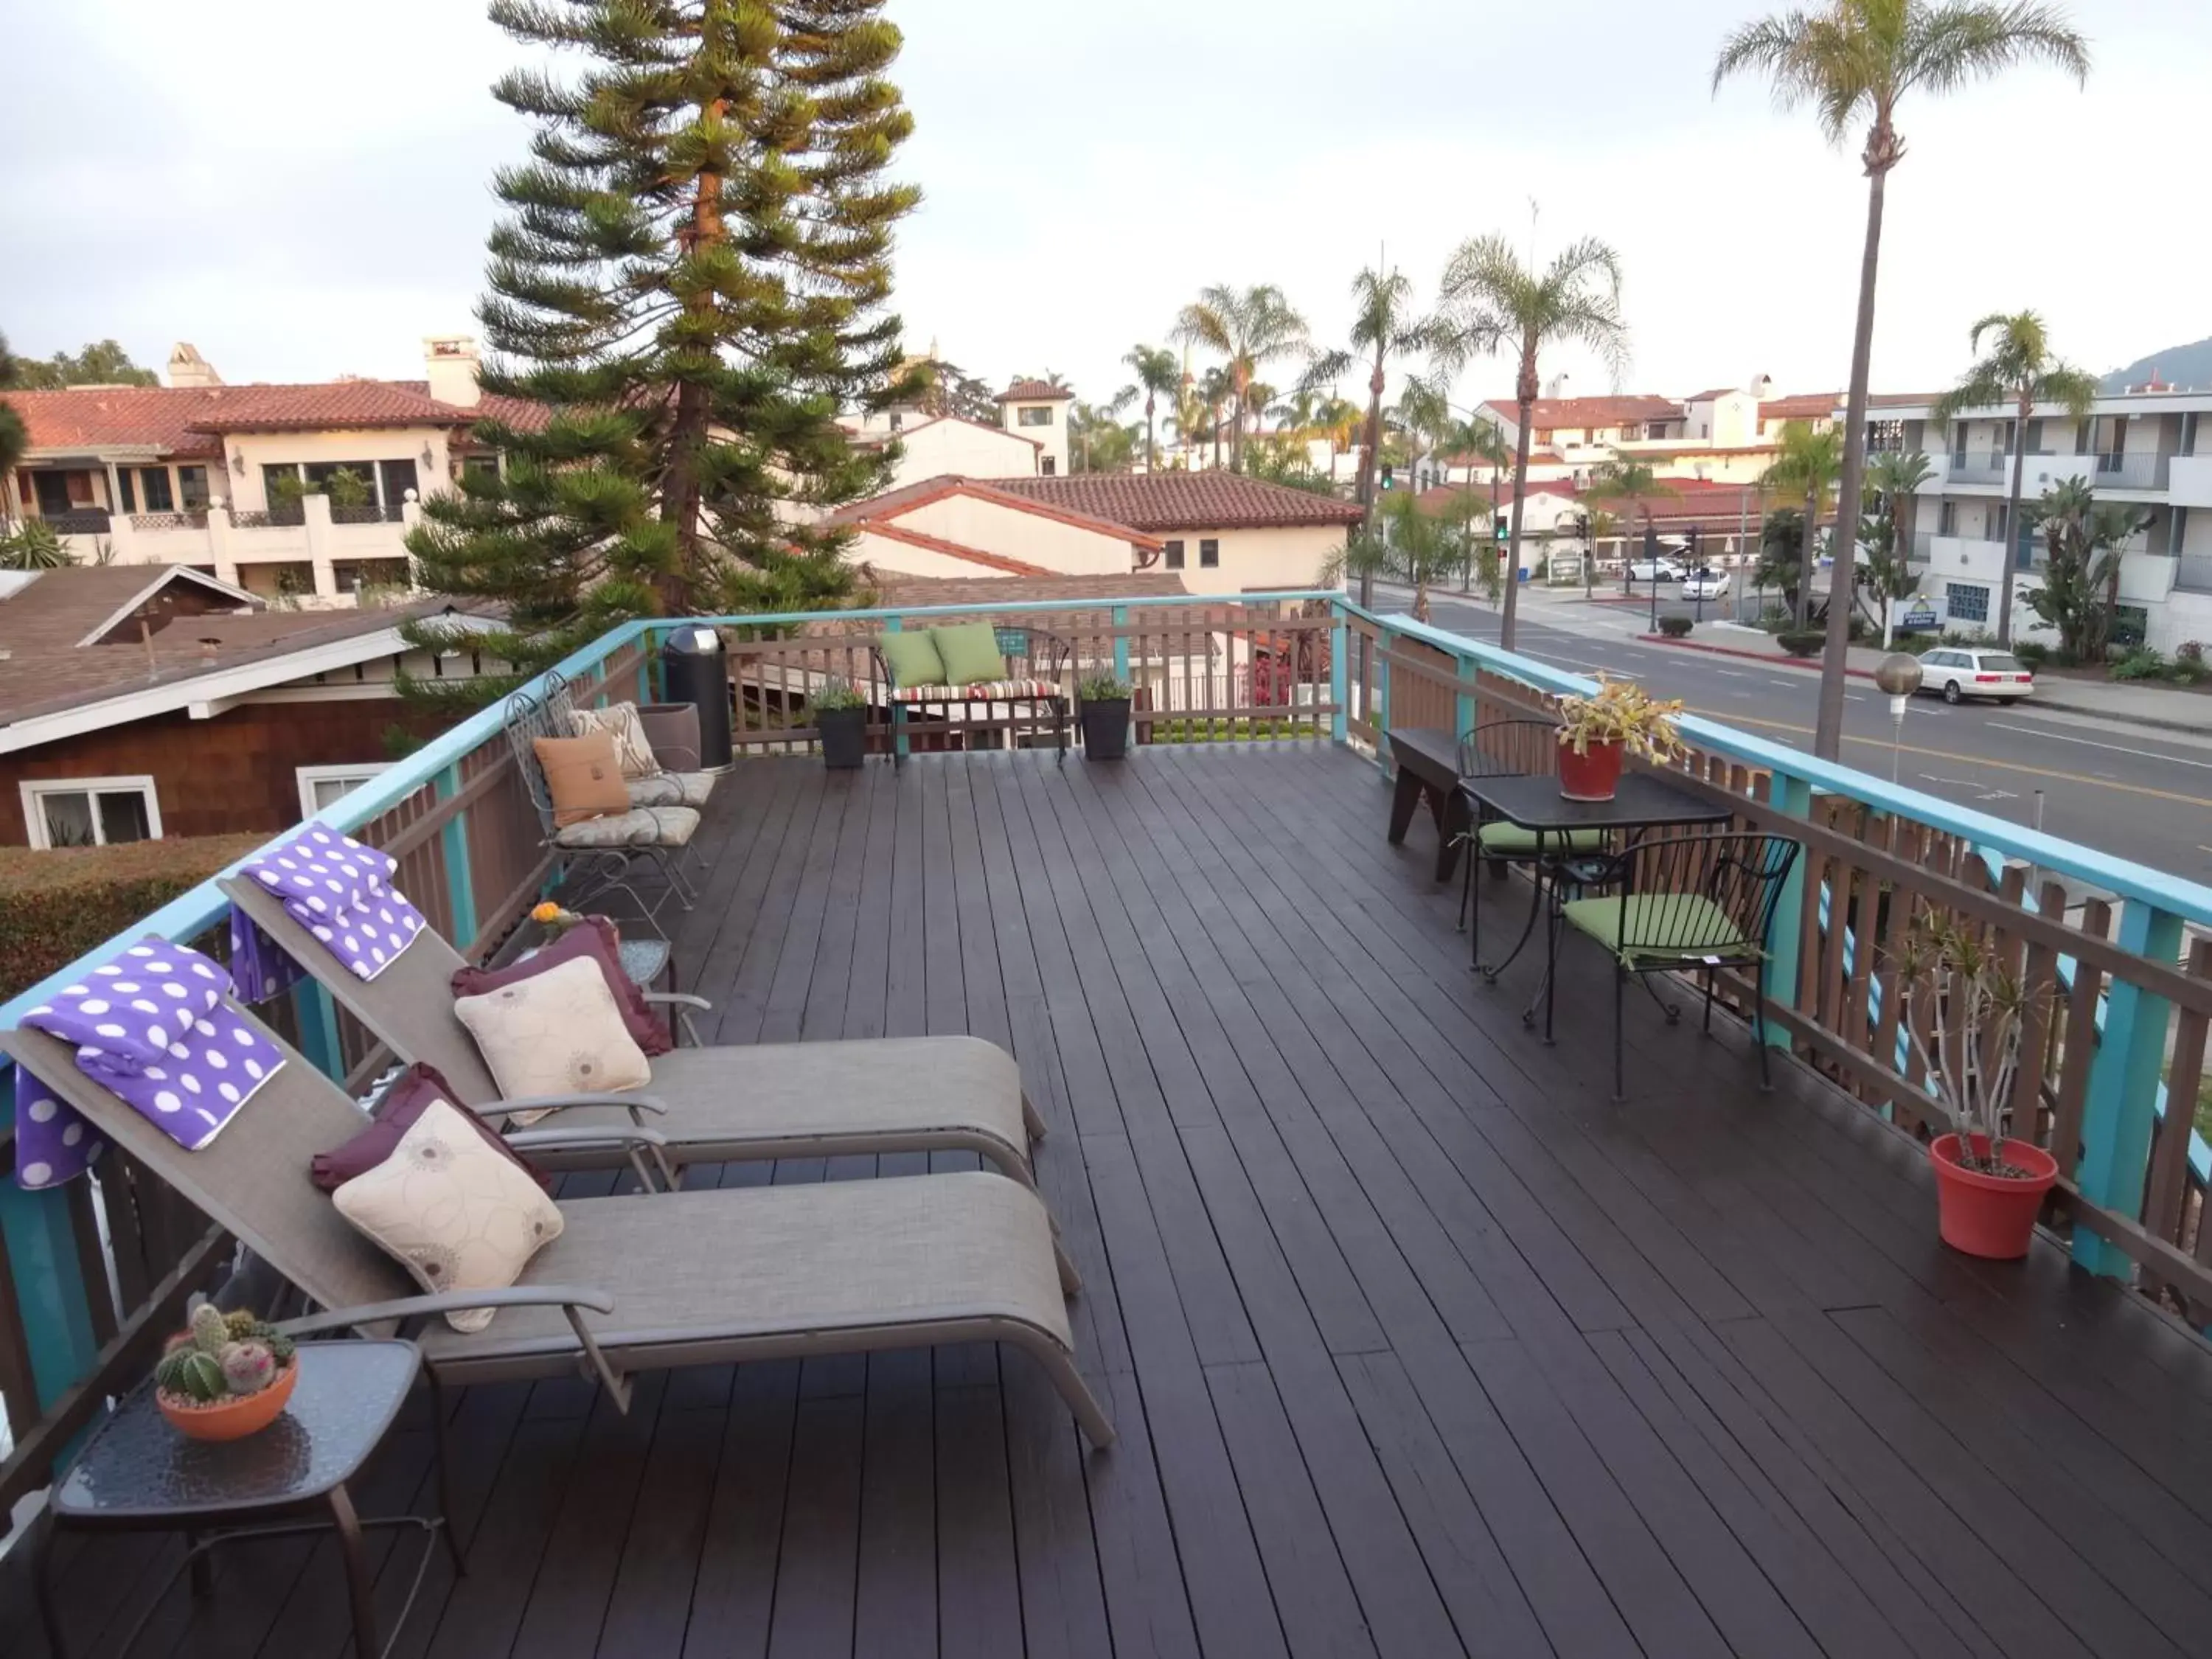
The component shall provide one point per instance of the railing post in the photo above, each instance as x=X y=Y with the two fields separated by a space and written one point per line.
x=1339 y=674
x=1385 y=638
x=1121 y=662
x=645 y=667
x=2122 y=1101
x=318 y=1028
x=1466 y=708
x=892 y=625
x=1794 y=796
x=48 y=1277
x=461 y=881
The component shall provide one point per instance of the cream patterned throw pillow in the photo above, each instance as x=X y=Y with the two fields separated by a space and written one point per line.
x=620 y=721
x=454 y=1212
x=556 y=1033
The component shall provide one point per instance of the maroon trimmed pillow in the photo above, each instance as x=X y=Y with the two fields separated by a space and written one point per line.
x=407 y=1099
x=595 y=937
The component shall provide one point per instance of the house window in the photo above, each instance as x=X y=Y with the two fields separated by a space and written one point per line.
x=480 y=466
x=396 y=478
x=154 y=485
x=1209 y=553
x=1171 y=556
x=125 y=502
x=1038 y=416
x=323 y=785
x=897 y=419
x=1048 y=464
x=90 y=812
x=1966 y=601
x=192 y=488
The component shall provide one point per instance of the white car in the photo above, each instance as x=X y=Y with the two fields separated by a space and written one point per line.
x=1652 y=570
x=1705 y=585
x=1958 y=673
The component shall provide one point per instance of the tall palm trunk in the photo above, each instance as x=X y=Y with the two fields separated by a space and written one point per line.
x=2012 y=518
x=1809 y=556
x=1881 y=155
x=1151 y=450
x=1524 y=393
x=1363 y=491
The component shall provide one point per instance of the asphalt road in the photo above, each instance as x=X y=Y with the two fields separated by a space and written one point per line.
x=2130 y=791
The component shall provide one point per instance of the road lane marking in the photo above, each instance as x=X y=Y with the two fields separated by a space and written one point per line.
x=1732 y=673
x=1726 y=716
x=2091 y=742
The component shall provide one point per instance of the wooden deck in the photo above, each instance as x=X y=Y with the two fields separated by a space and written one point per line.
x=1416 y=1344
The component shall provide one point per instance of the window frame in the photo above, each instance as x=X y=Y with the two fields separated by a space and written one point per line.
x=307 y=777
x=1035 y=414
x=34 y=817
x=1171 y=556
x=1209 y=552
x=1951 y=606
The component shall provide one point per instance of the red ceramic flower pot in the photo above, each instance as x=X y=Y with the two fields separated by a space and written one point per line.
x=1986 y=1215
x=1592 y=776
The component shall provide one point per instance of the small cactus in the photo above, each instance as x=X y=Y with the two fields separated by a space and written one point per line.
x=196 y=1374
x=248 y=1367
x=243 y=1324
x=210 y=1330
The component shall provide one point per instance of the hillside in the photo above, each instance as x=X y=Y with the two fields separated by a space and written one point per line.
x=2178 y=366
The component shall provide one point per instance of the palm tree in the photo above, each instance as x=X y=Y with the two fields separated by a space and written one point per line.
x=1423 y=416
x=15 y=444
x=1250 y=327
x=1807 y=463
x=1158 y=376
x=1492 y=299
x=1893 y=479
x=1597 y=524
x=1339 y=419
x=1385 y=323
x=2020 y=370
x=1631 y=482
x=2081 y=591
x=1403 y=543
x=1855 y=58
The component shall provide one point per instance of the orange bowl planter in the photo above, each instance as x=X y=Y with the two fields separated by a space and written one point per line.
x=1986 y=1215
x=229 y=1419
x=1591 y=776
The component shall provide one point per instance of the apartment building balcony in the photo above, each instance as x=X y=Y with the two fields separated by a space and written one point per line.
x=310 y=550
x=2131 y=471
x=1977 y=466
x=1416 y=1344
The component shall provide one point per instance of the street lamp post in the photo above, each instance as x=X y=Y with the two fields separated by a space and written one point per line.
x=1900 y=675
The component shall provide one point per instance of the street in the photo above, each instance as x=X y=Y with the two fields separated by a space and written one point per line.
x=2134 y=792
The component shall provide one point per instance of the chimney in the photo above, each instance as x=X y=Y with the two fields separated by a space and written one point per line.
x=1761 y=386
x=188 y=367
x=451 y=361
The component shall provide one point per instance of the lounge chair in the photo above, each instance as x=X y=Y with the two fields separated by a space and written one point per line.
x=631 y=1286
x=722 y=1104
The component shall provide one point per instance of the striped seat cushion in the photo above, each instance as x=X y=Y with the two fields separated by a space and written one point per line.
x=980 y=691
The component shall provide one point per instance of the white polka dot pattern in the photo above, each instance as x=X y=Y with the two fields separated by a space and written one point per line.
x=341 y=892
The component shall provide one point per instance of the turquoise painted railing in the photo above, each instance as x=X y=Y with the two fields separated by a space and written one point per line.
x=55 y=1306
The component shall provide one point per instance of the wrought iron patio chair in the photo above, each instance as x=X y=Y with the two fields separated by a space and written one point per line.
x=1692 y=904
x=1037 y=673
x=1508 y=747
x=666 y=786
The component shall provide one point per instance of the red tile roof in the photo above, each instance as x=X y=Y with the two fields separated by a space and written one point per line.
x=1546 y=413
x=1801 y=406
x=951 y=549
x=1159 y=502
x=89 y=417
x=186 y=420
x=908 y=497
x=1034 y=392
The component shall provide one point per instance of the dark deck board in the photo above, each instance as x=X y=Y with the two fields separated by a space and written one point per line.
x=1416 y=1344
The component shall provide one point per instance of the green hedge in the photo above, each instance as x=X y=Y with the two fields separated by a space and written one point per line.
x=54 y=906
x=1810 y=643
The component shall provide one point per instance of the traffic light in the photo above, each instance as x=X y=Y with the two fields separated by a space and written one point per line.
x=1696 y=537
x=1387 y=479
x=1502 y=527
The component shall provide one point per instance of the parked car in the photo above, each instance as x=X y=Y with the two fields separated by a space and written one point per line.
x=1958 y=673
x=1704 y=583
x=1653 y=570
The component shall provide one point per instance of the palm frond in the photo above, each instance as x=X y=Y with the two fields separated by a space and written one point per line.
x=1947 y=46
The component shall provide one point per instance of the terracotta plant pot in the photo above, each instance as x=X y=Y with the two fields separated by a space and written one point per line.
x=229 y=1419
x=1592 y=776
x=1986 y=1215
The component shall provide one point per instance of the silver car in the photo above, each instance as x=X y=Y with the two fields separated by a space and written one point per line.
x=1958 y=673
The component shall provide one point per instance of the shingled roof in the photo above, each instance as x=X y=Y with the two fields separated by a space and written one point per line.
x=1156 y=502
x=187 y=421
x=1034 y=392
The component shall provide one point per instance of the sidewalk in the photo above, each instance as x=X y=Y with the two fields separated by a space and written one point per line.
x=2160 y=707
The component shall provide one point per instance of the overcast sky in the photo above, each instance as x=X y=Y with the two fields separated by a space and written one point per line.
x=302 y=190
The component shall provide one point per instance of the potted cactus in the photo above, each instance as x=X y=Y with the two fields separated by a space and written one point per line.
x=1596 y=732
x=1963 y=1009
x=227 y=1377
x=1104 y=702
x=841 y=714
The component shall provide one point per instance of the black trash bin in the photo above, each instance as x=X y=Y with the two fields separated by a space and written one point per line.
x=693 y=669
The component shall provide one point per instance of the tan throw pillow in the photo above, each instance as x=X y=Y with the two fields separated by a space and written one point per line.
x=584 y=777
x=556 y=1033
x=455 y=1214
x=633 y=753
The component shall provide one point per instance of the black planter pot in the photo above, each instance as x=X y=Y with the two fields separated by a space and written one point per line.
x=1106 y=729
x=844 y=737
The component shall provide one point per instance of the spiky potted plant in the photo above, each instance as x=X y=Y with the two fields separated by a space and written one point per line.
x=841 y=716
x=1963 y=1008
x=1596 y=733
x=1103 y=703
x=227 y=1377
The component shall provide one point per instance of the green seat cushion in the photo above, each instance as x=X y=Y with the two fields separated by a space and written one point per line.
x=970 y=652
x=1660 y=927
x=912 y=658
x=1503 y=840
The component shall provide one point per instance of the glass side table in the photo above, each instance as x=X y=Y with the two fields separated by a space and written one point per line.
x=644 y=961
x=137 y=1473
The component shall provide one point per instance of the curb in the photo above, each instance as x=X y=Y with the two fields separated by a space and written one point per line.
x=1770 y=659
x=2155 y=722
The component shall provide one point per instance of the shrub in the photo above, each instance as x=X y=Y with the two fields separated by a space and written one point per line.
x=1675 y=627
x=1102 y=688
x=1810 y=643
x=2141 y=664
x=57 y=905
x=2190 y=651
x=2033 y=652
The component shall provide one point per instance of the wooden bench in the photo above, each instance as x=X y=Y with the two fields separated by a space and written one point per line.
x=1427 y=759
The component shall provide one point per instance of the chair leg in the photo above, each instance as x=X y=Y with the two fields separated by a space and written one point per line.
x=1466 y=887
x=1619 y=993
x=1759 y=1025
x=1711 y=975
x=1071 y=1282
x=1030 y=1120
x=1060 y=1365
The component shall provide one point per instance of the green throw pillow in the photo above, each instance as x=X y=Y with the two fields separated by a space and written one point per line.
x=913 y=658
x=969 y=653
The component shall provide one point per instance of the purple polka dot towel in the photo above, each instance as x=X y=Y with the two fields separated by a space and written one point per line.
x=152 y=1027
x=341 y=891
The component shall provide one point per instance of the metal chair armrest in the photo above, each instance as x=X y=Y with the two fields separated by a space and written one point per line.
x=523 y=1140
x=634 y=1103
x=680 y=999
x=410 y=1307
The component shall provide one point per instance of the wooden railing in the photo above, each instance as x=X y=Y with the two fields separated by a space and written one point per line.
x=2115 y=1027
